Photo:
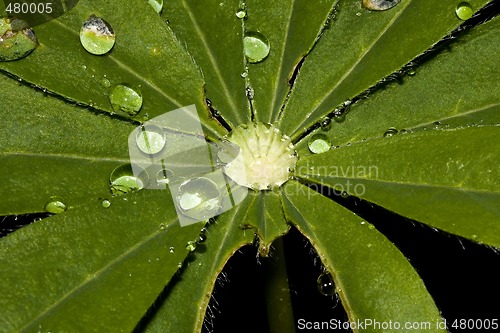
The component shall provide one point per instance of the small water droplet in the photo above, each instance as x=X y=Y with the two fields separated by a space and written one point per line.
x=319 y=143
x=339 y=116
x=202 y=238
x=325 y=284
x=157 y=5
x=241 y=14
x=17 y=39
x=191 y=246
x=105 y=82
x=126 y=99
x=256 y=46
x=122 y=180
x=106 y=203
x=403 y=131
x=380 y=4
x=464 y=11
x=97 y=36
x=390 y=132
x=171 y=250
x=163 y=177
x=244 y=74
x=179 y=265
x=55 y=205
x=150 y=139
x=199 y=198
x=371 y=226
x=326 y=124
x=369 y=245
x=411 y=72
x=344 y=194
x=437 y=124
x=162 y=226
x=474 y=236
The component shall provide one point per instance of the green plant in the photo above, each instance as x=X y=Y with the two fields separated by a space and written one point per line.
x=424 y=149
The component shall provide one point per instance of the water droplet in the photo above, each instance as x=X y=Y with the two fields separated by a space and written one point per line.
x=199 y=198
x=369 y=245
x=105 y=82
x=17 y=40
x=339 y=116
x=97 y=36
x=244 y=74
x=179 y=265
x=411 y=72
x=464 y=11
x=162 y=226
x=256 y=46
x=344 y=194
x=126 y=99
x=106 y=203
x=163 y=177
x=191 y=246
x=371 y=226
x=319 y=143
x=171 y=250
x=437 y=124
x=390 y=132
x=55 y=205
x=202 y=238
x=122 y=180
x=326 y=124
x=241 y=13
x=325 y=284
x=380 y=4
x=157 y=5
x=474 y=236
x=403 y=131
x=150 y=139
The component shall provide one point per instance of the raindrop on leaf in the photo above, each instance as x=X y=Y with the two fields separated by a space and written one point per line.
x=97 y=36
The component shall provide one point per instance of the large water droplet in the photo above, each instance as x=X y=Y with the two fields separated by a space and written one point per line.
x=97 y=36
x=157 y=5
x=126 y=99
x=55 y=205
x=105 y=82
x=106 y=203
x=380 y=4
x=390 y=132
x=325 y=284
x=241 y=14
x=464 y=11
x=17 y=40
x=319 y=143
x=256 y=46
x=199 y=198
x=122 y=180
x=151 y=139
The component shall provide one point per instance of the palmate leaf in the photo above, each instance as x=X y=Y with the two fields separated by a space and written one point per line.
x=93 y=269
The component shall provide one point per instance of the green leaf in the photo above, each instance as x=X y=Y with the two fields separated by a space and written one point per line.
x=446 y=179
x=53 y=148
x=184 y=308
x=456 y=88
x=291 y=37
x=213 y=36
x=373 y=279
x=146 y=56
x=265 y=214
x=91 y=269
x=359 y=49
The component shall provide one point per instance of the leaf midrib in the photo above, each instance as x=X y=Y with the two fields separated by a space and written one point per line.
x=97 y=274
x=65 y=156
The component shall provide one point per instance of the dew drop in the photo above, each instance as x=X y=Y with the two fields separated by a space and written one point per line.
x=380 y=4
x=464 y=11
x=244 y=74
x=55 y=205
x=371 y=226
x=325 y=284
x=17 y=40
x=163 y=177
x=162 y=226
x=256 y=46
x=319 y=143
x=191 y=246
x=202 y=238
x=199 y=198
x=105 y=82
x=106 y=203
x=368 y=245
x=339 y=116
x=390 y=132
x=326 y=124
x=150 y=139
x=122 y=180
x=179 y=265
x=171 y=250
x=157 y=5
x=97 y=36
x=126 y=99
x=241 y=14
x=411 y=72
